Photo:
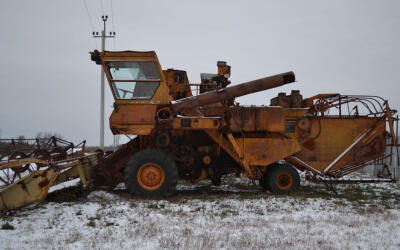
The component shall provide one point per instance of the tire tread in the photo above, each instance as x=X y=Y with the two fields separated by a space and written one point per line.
x=151 y=155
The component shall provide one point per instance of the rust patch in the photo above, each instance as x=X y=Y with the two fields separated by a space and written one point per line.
x=375 y=147
x=23 y=186
x=44 y=183
x=309 y=144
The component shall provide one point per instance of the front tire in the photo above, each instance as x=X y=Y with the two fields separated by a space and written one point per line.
x=151 y=173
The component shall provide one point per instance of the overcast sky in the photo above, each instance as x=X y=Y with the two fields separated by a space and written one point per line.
x=49 y=84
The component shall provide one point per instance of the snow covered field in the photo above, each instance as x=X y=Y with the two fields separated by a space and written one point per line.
x=236 y=215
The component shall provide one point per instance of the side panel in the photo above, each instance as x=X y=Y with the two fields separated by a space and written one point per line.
x=264 y=151
x=249 y=119
x=333 y=136
x=133 y=119
x=369 y=147
x=276 y=119
x=178 y=83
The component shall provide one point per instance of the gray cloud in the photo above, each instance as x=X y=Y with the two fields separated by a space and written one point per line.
x=48 y=83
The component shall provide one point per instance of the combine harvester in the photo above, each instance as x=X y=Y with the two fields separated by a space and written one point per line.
x=179 y=135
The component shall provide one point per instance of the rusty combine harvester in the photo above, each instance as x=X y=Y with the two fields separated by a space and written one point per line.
x=179 y=135
x=193 y=137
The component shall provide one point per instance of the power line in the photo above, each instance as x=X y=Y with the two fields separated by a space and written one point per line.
x=101 y=4
x=112 y=14
x=90 y=20
x=112 y=20
x=88 y=13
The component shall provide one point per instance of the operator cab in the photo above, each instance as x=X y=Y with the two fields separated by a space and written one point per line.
x=135 y=77
x=133 y=80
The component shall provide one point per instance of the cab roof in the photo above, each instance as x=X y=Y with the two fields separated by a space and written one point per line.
x=96 y=55
x=129 y=53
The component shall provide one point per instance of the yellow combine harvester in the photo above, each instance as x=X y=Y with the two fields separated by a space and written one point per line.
x=198 y=131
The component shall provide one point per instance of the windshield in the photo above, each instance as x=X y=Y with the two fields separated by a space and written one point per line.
x=134 y=80
x=139 y=70
x=135 y=90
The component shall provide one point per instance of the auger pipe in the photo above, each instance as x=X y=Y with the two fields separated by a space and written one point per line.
x=232 y=92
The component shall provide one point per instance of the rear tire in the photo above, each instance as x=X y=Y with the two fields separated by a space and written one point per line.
x=151 y=173
x=282 y=179
x=264 y=182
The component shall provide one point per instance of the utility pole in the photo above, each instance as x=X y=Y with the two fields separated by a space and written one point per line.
x=103 y=37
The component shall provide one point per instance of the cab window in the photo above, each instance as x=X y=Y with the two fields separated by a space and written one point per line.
x=135 y=90
x=134 y=80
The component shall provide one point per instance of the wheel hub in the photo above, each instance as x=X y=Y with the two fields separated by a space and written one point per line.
x=284 y=180
x=151 y=176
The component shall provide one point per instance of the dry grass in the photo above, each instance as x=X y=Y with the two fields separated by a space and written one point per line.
x=234 y=216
